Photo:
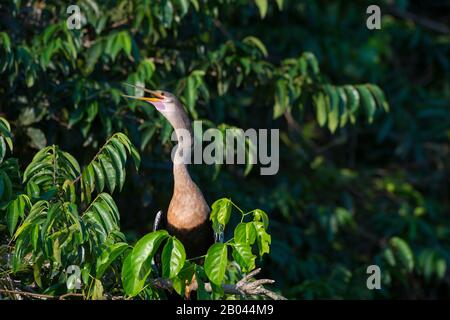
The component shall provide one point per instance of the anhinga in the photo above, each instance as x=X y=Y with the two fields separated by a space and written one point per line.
x=188 y=214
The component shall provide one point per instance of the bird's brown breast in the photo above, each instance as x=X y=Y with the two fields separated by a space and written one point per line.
x=187 y=208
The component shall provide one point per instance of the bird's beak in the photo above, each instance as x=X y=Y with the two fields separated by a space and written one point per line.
x=156 y=96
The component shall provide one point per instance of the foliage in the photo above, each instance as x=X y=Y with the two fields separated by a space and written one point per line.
x=357 y=185
x=137 y=266
x=55 y=226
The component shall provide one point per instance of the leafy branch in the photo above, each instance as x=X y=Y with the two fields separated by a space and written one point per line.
x=184 y=276
x=243 y=287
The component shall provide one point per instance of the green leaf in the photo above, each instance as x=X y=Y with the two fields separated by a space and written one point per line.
x=12 y=216
x=109 y=172
x=90 y=175
x=259 y=215
x=441 y=267
x=99 y=177
x=7 y=186
x=182 y=7
x=97 y=293
x=56 y=251
x=245 y=233
x=343 y=111
x=173 y=258
x=91 y=111
x=35 y=237
x=190 y=93
x=368 y=102
x=32 y=190
x=4 y=128
x=311 y=62
x=2 y=149
x=37 y=274
x=109 y=255
x=117 y=164
x=281 y=99
x=93 y=54
x=402 y=250
x=19 y=252
x=379 y=96
x=321 y=108
x=137 y=265
x=167 y=13
x=333 y=102
x=250 y=40
x=280 y=4
x=262 y=6
x=112 y=206
x=86 y=187
x=119 y=147
x=353 y=101
x=104 y=213
x=220 y=214
x=200 y=274
x=126 y=42
x=183 y=277
x=15 y=209
x=216 y=262
x=75 y=167
x=263 y=238
x=243 y=255
x=35 y=167
x=136 y=156
x=130 y=147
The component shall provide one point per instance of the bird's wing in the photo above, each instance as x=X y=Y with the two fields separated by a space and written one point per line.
x=160 y=221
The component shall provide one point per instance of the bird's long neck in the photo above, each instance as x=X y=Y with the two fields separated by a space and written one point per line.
x=188 y=207
x=181 y=158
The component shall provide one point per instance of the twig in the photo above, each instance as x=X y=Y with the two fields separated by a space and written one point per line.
x=41 y=296
x=30 y=294
x=95 y=157
x=70 y=294
x=222 y=29
x=292 y=123
x=423 y=21
x=119 y=23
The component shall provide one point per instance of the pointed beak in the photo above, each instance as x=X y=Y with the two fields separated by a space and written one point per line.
x=156 y=96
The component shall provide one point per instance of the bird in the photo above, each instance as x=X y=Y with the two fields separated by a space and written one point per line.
x=188 y=213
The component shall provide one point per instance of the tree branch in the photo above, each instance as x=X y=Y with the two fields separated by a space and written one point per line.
x=245 y=287
x=423 y=21
x=29 y=294
x=41 y=296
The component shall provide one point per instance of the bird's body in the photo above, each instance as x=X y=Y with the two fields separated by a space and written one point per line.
x=188 y=213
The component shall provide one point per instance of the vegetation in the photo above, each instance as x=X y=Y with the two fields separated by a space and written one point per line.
x=364 y=146
x=51 y=236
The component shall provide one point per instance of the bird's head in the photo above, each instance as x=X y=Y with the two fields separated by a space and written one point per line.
x=166 y=103
x=162 y=100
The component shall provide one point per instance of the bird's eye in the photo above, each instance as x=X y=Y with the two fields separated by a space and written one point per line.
x=162 y=93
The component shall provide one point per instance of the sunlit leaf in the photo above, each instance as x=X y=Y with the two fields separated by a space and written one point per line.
x=216 y=262
x=173 y=258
